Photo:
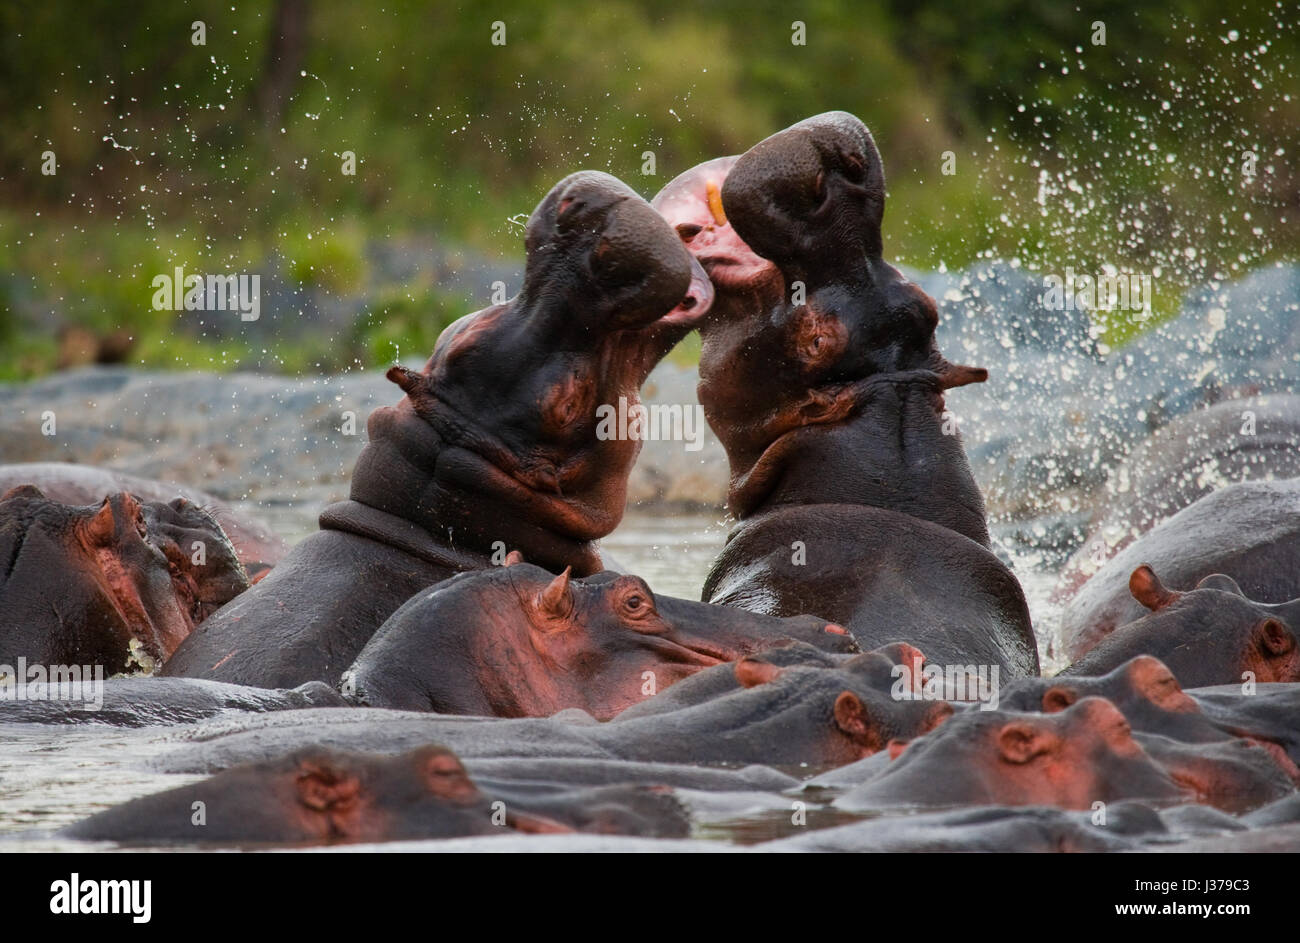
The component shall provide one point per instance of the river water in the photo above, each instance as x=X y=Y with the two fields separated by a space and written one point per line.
x=51 y=776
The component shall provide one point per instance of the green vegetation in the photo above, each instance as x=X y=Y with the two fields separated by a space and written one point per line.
x=229 y=156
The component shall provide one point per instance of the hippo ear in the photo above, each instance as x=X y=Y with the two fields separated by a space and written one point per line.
x=101 y=528
x=1222 y=582
x=413 y=383
x=1274 y=637
x=1020 y=742
x=512 y=558
x=852 y=718
x=751 y=672
x=1148 y=590
x=1058 y=698
x=326 y=787
x=23 y=491
x=556 y=600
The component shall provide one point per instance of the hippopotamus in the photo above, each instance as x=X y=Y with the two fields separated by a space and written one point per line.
x=1233 y=775
x=803 y=714
x=820 y=375
x=317 y=796
x=256 y=546
x=982 y=829
x=112 y=584
x=1212 y=634
x=145 y=702
x=1265 y=714
x=496 y=444
x=722 y=679
x=1143 y=688
x=518 y=641
x=1248 y=531
x=1069 y=759
x=1252 y=439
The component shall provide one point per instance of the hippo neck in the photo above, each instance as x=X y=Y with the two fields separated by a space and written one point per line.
x=903 y=456
x=402 y=471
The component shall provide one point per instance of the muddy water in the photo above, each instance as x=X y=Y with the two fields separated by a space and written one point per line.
x=52 y=775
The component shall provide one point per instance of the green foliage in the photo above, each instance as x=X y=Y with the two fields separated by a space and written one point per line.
x=171 y=154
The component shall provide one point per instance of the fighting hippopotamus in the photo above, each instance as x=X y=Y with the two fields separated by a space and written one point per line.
x=119 y=583
x=1212 y=634
x=256 y=545
x=1248 y=531
x=318 y=796
x=1253 y=439
x=496 y=444
x=1070 y=759
x=518 y=641
x=820 y=375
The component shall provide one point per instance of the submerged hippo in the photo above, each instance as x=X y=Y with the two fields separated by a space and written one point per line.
x=495 y=445
x=318 y=796
x=144 y=702
x=256 y=545
x=517 y=641
x=1143 y=688
x=1212 y=634
x=114 y=584
x=1071 y=759
x=802 y=714
x=1252 y=439
x=820 y=375
x=1248 y=531
x=1233 y=775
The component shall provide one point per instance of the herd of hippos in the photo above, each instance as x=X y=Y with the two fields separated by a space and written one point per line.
x=857 y=627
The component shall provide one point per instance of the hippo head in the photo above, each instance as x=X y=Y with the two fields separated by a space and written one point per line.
x=318 y=795
x=833 y=715
x=789 y=344
x=108 y=583
x=692 y=204
x=1081 y=755
x=1208 y=635
x=1234 y=775
x=505 y=433
x=518 y=641
x=1143 y=688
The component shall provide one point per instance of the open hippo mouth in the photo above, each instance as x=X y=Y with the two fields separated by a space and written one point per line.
x=692 y=205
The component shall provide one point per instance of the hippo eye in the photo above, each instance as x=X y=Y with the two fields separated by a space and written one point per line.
x=688 y=231
x=637 y=602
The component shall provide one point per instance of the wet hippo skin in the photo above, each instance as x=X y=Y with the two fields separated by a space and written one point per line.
x=256 y=546
x=1249 y=532
x=517 y=641
x=114 y=584
x=820 y=375
x=321 y=796
x=1209 y=635
x=494 y=445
